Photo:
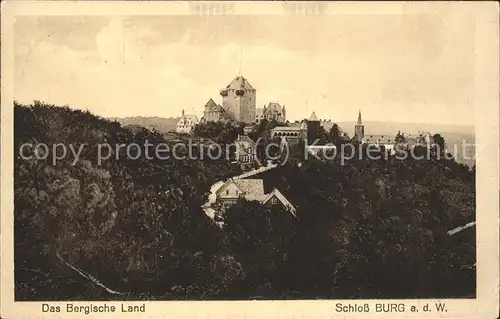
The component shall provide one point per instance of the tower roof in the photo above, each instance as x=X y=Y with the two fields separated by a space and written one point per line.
x=274 y=107
x=210 y=103
x=313 y=117
x=360 y=122
x=240 y=82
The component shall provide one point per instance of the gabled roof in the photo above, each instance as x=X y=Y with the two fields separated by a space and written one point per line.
x=313 y=117
x=212 y=106
x=210 y=103
x=245 y=138
x=251 y=187
x=276 y=193
x=240 y=82
x=242 y=149
x=273 y=107
x=257 y=198
x=188 y=117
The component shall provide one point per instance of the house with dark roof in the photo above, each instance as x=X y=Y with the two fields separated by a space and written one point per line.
x=232 y=190
x=251 y=190
x=275 y=197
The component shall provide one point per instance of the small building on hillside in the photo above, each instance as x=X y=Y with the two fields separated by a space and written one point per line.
x=251 y=190
x=186 y=123
x=245 y=150
x=275 y=197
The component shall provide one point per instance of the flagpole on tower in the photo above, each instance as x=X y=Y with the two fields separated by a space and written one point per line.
x=241 y=61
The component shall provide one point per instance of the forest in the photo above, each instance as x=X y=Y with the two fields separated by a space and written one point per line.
x=133 y=229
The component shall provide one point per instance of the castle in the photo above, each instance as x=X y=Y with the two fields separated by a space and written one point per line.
x=239 y=105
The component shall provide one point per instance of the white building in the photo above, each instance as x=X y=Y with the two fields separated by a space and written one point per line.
x=186 y=124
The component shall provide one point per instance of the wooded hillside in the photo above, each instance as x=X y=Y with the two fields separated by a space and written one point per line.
x=367 y=229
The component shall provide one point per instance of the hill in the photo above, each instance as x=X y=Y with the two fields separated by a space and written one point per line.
x=161 y=124
x=134 y=224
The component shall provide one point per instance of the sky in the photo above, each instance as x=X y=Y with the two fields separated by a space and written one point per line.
x=399 y=68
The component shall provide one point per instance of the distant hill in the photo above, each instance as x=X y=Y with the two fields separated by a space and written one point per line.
x=161 y=124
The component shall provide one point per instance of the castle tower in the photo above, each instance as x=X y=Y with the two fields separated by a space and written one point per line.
x=359 y=129
x=313 y=128
x=239 y=100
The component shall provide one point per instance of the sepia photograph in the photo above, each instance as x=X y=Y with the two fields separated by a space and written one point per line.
x=225 y=154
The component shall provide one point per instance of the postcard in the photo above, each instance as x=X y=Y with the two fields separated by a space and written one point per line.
x=278 y=159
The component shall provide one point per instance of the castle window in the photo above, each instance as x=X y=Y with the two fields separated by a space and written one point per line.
x=227 y=192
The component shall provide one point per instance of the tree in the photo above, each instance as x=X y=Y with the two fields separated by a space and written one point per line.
x=400 y=138
x=260 y=238
x=439 y=144
x=137 y=224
